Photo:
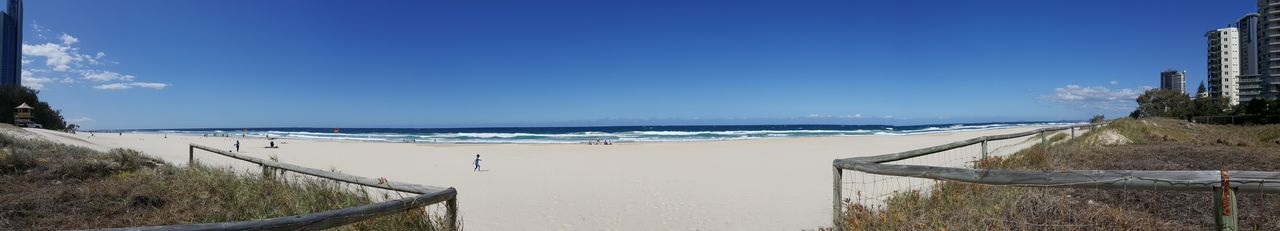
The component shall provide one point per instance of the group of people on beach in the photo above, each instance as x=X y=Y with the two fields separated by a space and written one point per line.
x=118 y=133
x=599 y=142
x=271 y=144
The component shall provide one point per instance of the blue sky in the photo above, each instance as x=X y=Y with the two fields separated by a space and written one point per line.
x=239 y=63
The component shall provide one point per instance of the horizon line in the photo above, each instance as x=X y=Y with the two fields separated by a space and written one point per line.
x=603 y=126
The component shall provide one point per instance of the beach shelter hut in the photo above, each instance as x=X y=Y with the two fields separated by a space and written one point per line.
x=22 y=114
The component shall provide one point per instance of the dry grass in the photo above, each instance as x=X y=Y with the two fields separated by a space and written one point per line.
x=47 y=186
x=1158 y=145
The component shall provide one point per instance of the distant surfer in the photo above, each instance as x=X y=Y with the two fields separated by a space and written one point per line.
x=477 y=163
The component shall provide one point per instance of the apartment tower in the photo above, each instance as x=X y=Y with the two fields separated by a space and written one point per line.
x=1224 y=64
x=1268 y=37
x=11 y=44
x=1174 y=80
x=1250 y=72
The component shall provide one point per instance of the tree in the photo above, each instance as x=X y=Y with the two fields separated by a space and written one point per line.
x=1255 y=107
x=1164 y=103
x=1205 y=106
x=1273 y=109
x=1200 y=91
x=11 y=97
x=1098 y=119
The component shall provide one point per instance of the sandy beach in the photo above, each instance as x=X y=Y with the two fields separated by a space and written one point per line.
x=764 y=184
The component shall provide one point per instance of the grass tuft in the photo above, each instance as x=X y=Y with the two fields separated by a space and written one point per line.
x=50 y=186
x=1159 y=144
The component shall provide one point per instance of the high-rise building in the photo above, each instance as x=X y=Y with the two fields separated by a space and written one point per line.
x=1174 y=80
x=1250 y=87
x=1249 y=49
x=1224 y=64
x=1250 y=80
x=11 y=44
x=1268 y=37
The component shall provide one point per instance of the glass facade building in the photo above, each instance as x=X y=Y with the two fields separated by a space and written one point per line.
x=11 y=44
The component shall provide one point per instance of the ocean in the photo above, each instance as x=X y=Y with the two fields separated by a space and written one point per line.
x=570 y=135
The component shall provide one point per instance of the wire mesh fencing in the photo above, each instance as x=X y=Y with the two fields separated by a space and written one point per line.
x=873 y=190
x=374 y=198
x=956 y=186
x=437 y=213
x=972 y=206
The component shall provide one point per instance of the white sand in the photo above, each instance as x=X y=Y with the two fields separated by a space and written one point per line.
x=767 y=184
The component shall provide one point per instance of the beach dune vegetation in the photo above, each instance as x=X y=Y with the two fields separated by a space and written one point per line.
x=1152 y=144
x=50 y=186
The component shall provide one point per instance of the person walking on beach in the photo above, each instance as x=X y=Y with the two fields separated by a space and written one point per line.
x=477 y=162
x=237 y=146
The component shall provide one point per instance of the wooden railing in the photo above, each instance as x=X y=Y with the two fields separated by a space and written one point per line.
x=428 y=195
x=1264 y=182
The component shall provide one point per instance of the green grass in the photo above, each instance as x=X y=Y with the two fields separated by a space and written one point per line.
x=1158 y=144
x=48 y=186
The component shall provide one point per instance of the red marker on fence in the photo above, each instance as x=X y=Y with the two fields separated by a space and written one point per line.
x=1226 y=193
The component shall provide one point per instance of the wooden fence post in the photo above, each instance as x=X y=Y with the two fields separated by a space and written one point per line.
x=836 y=214
x=451 y=207
x=1225 y=208
x=1073 y=132
x=267 y=172
x=1044 y=141
x=1224 y=201
x=984 y=150
x=191 y=155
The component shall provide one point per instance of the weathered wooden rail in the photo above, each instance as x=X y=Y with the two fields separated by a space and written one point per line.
x=1264 y=182
x=428 y=195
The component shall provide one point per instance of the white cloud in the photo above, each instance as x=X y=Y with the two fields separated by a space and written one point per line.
x=64 y=61
x=80 y=120
x=1095 y=97
x=56 y=56
x=821 y=116
x=105 y=76
x=40 y=30
x=131 y=85
x=68 y=40
x=156 y=86
x=1113 y=83
x=31 y=81
x=113 y=86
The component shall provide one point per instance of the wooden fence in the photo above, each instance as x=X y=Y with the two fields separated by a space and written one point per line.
x=1237 y=119
x=428 y=195
x=1264 y=182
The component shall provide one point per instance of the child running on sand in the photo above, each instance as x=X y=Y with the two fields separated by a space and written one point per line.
x=477 y=162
